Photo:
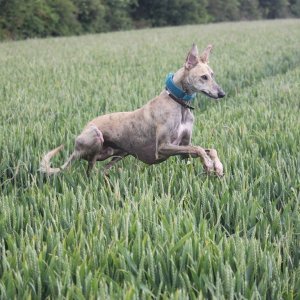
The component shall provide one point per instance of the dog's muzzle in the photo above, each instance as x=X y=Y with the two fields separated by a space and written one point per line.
x=221 y=94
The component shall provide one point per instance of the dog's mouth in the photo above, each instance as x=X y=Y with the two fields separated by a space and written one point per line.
x=210 y=95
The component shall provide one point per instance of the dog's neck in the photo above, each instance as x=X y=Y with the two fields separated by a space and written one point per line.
x=180 y=80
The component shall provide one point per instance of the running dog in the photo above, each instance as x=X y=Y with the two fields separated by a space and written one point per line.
x=154 y=132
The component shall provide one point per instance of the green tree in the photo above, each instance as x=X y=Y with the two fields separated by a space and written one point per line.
x=224 y=10
x=272 y=9
x=187 y=12
x=249 y=9
x=91 y=15
x=295 y=8
x=117 y=14
x=24 y=18
x=177 y=12
x=63 y=18
x=38 y=18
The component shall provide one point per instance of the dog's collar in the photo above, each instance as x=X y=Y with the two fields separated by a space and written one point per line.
x=180 y=101
x=176 y=91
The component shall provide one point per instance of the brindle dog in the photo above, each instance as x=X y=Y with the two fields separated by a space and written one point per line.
x=154 y=132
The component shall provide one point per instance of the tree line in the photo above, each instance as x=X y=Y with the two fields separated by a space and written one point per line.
x=21 y=19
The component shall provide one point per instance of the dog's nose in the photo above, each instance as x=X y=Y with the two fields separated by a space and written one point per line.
x=221 y=94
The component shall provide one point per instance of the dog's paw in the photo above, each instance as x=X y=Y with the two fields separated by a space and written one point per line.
x=219 y=169
x=209 y=166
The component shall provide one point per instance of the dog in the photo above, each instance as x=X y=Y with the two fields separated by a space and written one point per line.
x=154 y=132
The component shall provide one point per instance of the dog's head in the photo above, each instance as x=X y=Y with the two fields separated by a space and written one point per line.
x=199 y=76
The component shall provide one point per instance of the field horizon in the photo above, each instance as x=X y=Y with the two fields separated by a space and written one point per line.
x=166 y=231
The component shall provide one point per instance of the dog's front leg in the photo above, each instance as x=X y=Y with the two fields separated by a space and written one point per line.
x=212 y=153
x=167 y=150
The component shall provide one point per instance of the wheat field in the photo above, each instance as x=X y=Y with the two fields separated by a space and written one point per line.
x=166 y=231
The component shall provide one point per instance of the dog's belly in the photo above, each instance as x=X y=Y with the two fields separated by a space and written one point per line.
x=137 y=132
x=144 y=150
x=146 y=153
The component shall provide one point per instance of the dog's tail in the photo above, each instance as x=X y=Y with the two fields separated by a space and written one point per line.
x=45 y=166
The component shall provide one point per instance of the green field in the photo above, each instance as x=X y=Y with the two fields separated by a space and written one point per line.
x=164 y=231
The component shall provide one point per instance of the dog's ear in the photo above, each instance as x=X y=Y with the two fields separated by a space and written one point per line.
x=205 y=55
x=192 y=58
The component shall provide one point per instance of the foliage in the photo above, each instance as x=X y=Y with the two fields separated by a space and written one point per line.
x=63 y=14
x=165 y=231
x=118 y=14
x=40 y=18
x=249 y=10
x=295 y=8
x=91 y=14
x=275 y=8
x=224 y=10
x=162 y=13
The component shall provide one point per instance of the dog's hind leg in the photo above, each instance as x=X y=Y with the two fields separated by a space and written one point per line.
x=106 y=153
x=91 y=165
x=87 y=145
x=89 y=142
x=114 y=160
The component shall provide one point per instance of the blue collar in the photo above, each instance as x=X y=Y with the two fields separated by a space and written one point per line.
x=176 y=91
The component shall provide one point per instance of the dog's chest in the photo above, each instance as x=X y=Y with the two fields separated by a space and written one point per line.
x=184 y=129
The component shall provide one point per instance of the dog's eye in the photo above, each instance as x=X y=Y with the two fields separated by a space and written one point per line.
x=204 y=77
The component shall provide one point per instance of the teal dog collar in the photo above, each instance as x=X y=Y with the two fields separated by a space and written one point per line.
x=176 y=91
